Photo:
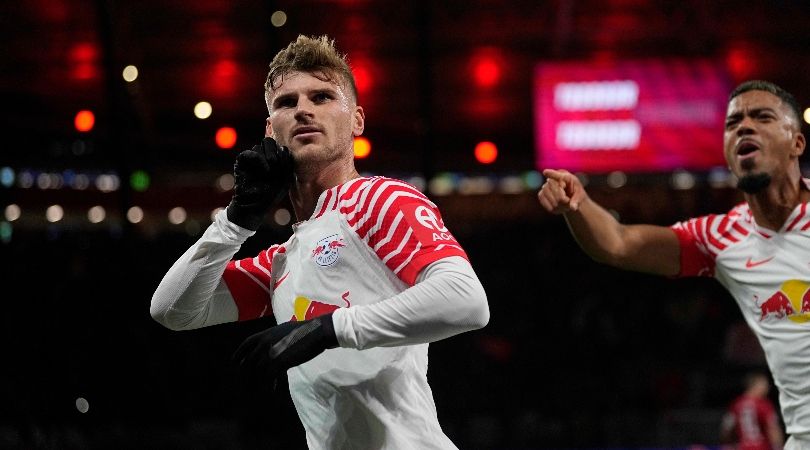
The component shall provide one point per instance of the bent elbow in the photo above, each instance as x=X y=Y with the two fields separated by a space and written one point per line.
x=167 y=317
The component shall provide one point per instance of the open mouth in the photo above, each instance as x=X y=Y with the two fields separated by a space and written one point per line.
x=746 y=148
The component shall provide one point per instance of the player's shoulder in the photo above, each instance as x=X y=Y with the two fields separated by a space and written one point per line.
x=374 y=190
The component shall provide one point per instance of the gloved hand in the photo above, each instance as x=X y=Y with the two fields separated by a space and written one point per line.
x=272 y=351
x=263 y=175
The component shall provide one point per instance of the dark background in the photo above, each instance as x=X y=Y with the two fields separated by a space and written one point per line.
x=576 y=355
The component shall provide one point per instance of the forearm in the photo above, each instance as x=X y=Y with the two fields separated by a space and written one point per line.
x=596 y=231
x=447 y=300
x=191 y=294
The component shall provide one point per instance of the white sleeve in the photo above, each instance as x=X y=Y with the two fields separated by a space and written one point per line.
x=446 y=300
x=192 y=293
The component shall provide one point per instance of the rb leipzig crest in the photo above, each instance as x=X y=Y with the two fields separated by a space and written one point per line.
x=327 y=250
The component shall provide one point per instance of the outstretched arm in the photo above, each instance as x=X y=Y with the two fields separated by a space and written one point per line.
x=645 y=248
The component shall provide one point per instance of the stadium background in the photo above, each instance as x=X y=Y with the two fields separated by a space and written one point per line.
x=576 y=355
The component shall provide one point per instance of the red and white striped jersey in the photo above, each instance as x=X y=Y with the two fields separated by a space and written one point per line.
x=366 y=242
x=768 y=274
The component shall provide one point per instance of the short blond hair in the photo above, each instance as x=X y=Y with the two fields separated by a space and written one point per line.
x=312 y=55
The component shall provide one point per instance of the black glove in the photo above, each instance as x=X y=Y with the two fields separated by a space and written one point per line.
x=272 y=351
x=262 y=176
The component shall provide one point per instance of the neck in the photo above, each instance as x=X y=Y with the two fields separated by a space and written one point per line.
x=772 y=206
x=310 y=182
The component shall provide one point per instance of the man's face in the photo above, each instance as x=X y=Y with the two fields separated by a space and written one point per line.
x=316 y=119
x=761 y=136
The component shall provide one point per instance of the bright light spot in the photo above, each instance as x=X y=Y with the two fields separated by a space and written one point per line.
x=533 y=180
x=130 y=74
x=96 y=214
x=511 y=185
x=84 y=121
x=139 y=180
x=282 y=216
x=807 y=115
x=442 y=184
x=225 y=182
x=682 y=180
x=362 y=147
x=7 y=176
x=475 y=186
x=203 y=110
x=486 y=152
x=486 y=67
x=134 y=214
x=54 y=213
x=278 y=19
x=616 y=179
x=226 y=137
x=12 y=212
x=214 y=213
x=82 y=405
x=177 y=215
x=107 y=183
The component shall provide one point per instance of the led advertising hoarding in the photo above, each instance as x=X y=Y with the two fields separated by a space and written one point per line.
x=634 y=116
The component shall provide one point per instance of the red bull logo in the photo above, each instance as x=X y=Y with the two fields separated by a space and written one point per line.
x=305 y=309
x=792 y=296
x=326 y=251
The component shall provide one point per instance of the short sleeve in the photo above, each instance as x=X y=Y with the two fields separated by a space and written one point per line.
x=696 y=261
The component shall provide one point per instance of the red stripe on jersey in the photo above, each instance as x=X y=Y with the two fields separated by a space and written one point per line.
x=740 y=229
x=403 y=194
x=806 y=226
x=378 y=218
x=700 y=234
x=353 y=187
x=249 y=284
x=411 y=271
x=710 y=233
x=726 y=230
x=325 y=203
x=799 y=217
x=364 y=201
x=694 y=262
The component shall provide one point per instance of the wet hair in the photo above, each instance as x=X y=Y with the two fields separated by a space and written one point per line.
x=315 y=55
x=767 y=86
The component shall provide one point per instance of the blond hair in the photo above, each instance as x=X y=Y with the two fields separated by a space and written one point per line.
x=313 y=55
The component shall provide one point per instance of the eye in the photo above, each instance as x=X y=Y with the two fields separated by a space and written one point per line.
x=321 y=97
x=286 y=102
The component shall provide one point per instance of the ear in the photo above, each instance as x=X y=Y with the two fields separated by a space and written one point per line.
x=268 y=128
x=359 y=121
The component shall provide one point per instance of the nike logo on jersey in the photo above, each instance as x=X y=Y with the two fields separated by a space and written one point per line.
x=280 y=280
x=750 y=264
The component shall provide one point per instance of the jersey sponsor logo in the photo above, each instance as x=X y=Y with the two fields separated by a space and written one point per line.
x=750 y=264
x=791 y=301
x=427 y=225
x=327 y=250
x=305 y=308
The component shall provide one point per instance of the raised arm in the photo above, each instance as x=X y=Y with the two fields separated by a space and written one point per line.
x=646 y=248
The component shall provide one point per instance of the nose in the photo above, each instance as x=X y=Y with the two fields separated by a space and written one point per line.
x=745 y=127
x=303 y=110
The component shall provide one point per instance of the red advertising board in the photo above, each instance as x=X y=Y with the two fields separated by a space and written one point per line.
x=634 y=116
